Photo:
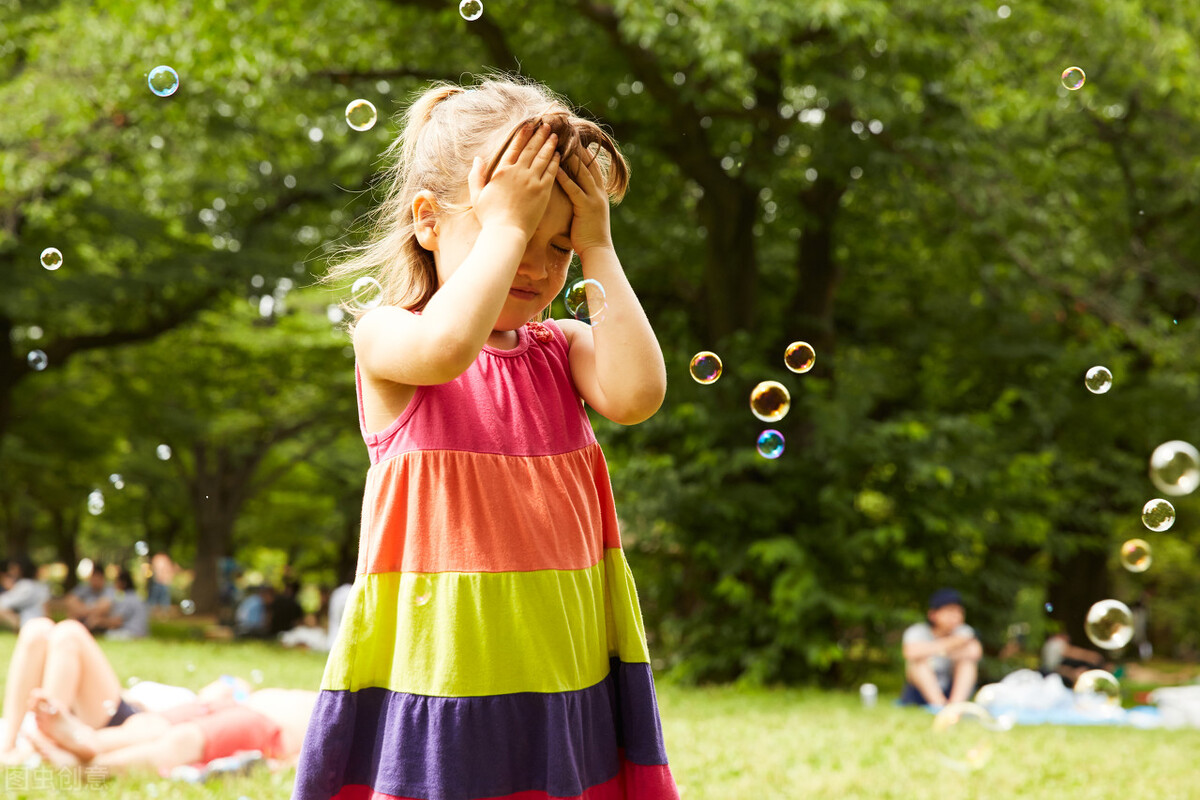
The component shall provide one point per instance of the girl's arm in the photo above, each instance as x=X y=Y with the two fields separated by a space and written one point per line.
x=617 y=365
x=439 y=344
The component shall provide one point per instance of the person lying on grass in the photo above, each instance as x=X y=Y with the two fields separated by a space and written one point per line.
x=272 y=721
x=64 y=663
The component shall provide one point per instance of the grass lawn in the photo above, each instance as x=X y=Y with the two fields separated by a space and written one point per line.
x=725 y=743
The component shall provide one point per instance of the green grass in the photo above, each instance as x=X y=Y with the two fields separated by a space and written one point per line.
x=728 y=743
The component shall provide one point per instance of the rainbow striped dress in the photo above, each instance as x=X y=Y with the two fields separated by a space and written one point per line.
x=492 y=645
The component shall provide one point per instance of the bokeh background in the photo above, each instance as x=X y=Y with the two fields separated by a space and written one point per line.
x=906 y=185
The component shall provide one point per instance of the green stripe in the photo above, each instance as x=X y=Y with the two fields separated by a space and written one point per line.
x=471 y=634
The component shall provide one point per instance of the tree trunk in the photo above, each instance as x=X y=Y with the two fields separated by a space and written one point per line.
x=731 y=265
x=66 y=537
x=1078 y=583
x=16 y=527
x=817 y=272
x=10 y=370
x=214 y=535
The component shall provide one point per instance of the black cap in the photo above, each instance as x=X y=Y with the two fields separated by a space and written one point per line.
x=944 y=597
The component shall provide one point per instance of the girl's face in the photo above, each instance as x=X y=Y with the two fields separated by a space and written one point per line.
x=543 y=268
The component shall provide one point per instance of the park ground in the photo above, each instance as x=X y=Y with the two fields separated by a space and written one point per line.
x=724 y=742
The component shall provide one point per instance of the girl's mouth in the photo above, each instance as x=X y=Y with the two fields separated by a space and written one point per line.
x=522 y=294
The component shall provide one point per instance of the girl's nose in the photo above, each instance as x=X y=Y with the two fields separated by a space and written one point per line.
x=532 y=265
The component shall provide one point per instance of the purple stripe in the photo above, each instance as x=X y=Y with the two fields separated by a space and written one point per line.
x=472 y=747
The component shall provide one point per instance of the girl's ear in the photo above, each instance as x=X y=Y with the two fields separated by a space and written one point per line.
x=425 y=217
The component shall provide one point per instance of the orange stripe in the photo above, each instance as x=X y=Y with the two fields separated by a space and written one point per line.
x=458 y=511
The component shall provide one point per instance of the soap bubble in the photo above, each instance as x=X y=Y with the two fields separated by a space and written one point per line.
x=134 y=680
x=471 y=10
x=37 y=360
x=1158 y=515
x=256 y=676
x=1109 y=624
x=1098 y=687
x=422 y=590
x=1073 y=78
x=1175 y=468
x=1098 y=380
x=799 y=357
x=163 y=451
x=770 y=401
x=110 y=707
x=361 y=115
x=141 y=548
x=1049 y=608
x=1135 y=555
x=116 y=480
x=705 y=367
x=52 y=258
x=187 y=607
x=95 y=502
x=85 y=569
x=770 y=443
x=366 y=293
x=963 y=735
x=585 y=301
x=163 y=81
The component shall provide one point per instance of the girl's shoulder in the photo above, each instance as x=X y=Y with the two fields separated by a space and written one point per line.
x=569 y=330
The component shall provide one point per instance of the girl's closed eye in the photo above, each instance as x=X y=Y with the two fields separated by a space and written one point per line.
x=563 y=250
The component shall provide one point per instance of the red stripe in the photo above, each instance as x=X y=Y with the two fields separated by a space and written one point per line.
x=634 y=782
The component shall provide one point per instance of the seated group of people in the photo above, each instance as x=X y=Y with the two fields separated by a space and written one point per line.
x=116 y=610
x=942 y=655
x=63 y=702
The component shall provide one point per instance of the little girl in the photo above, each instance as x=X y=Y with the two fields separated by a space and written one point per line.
x=492 y=645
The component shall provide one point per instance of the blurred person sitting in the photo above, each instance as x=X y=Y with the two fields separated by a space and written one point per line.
x=286 y=612
x=253 y=616
x=126 y=616
x=24 y=596
x=91 y=598
x=1061 y=657
x=942 y=655
x=158 y=586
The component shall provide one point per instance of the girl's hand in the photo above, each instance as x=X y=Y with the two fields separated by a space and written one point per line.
x=519 y=190
x=590 y=225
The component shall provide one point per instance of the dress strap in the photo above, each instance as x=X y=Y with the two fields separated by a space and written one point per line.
x=362 y=413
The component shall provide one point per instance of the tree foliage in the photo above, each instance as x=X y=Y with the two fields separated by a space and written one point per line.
x=905 y=185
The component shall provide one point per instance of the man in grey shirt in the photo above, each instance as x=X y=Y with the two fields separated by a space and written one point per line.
x=941 y=656
x=127 y=616
x=24 y=596
x=91 y=599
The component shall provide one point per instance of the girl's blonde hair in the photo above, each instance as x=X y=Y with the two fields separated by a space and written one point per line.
x=443 y=130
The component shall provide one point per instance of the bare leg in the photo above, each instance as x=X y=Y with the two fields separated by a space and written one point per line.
x=182 y=744
x=78 y=675
x=966 y=672
x=24 y=674
x=922 y=676
x=68 y=732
